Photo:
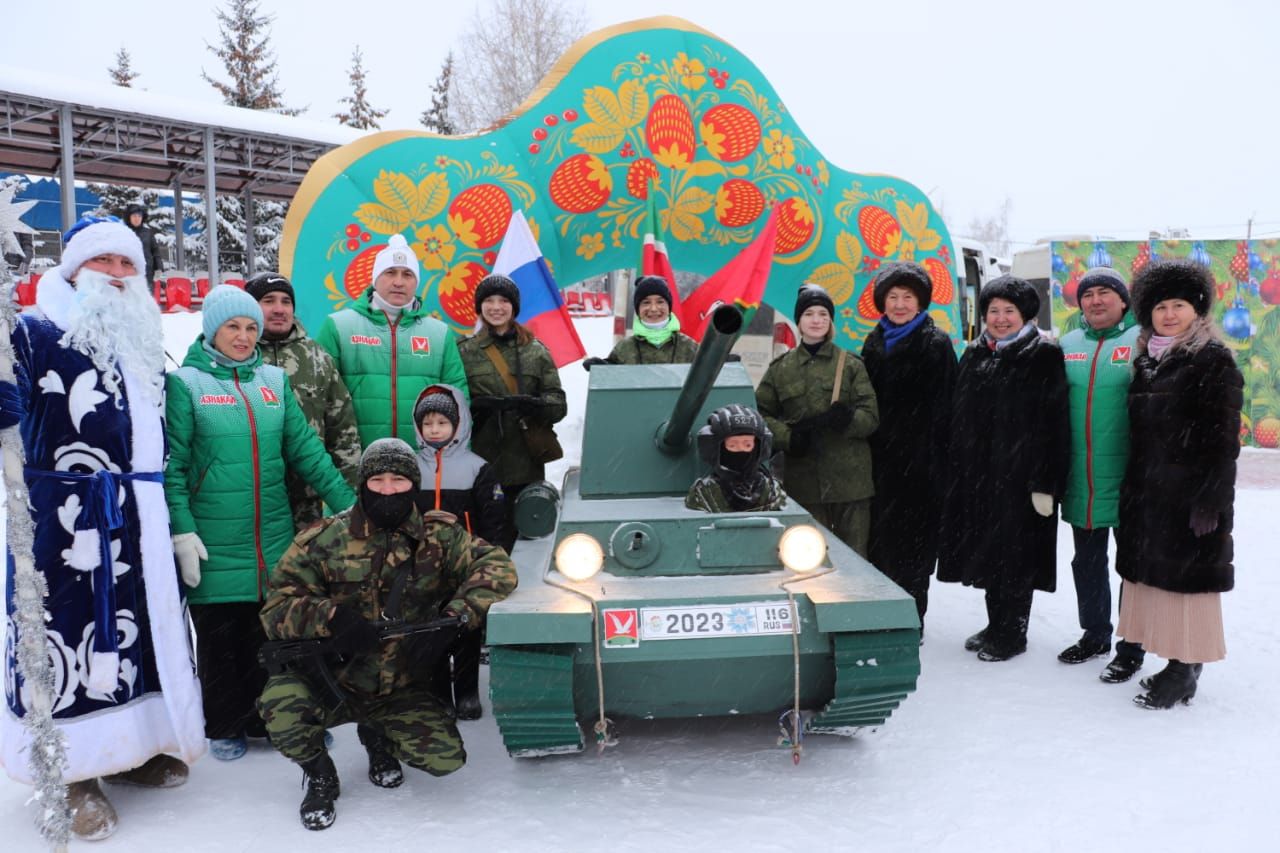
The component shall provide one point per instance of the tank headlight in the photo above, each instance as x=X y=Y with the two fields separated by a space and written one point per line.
x=802 y=548
x=579 y=557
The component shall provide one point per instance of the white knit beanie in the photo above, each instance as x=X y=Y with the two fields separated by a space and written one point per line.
x=90 y=238
x=396 y=254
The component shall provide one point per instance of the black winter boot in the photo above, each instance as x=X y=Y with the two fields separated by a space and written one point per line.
x=1086 y=648
x=384 y=768
x=1121 y=669
x=320 y=779
x=1176 y=683
x=466 y=675
x=975 y=641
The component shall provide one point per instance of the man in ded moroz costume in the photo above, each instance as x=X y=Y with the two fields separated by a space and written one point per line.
x=88 y=400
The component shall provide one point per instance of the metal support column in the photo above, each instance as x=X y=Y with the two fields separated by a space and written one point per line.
x=68 y=171
x=179 y=247
x=210 y=207
x=250 y=255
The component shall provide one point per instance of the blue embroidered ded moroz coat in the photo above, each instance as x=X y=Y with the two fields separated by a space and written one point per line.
x=125 y=686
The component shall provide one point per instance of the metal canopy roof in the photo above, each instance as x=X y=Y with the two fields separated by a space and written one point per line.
x=95 y=132
x=149 y=150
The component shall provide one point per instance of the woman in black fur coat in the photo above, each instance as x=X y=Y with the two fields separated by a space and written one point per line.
x=1174 y=547
x=912 y=365
x=1010 y=448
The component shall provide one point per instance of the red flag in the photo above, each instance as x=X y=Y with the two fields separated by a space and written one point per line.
x=740 y=282
x=654 y=260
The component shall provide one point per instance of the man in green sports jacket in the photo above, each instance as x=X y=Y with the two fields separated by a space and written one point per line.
x=387 y=349
x=1099 y=357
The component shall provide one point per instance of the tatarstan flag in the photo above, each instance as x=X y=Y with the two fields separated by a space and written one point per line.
x=653 y=259
x=740 y=282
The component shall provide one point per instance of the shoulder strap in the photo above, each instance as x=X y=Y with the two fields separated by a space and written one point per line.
x=835 y=388
x=501 y=364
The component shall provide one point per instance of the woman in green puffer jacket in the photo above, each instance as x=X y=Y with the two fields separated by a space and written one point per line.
x=234 y=428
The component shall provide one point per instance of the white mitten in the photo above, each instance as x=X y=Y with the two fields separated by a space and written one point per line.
x=188 y=550
x=1043 y=503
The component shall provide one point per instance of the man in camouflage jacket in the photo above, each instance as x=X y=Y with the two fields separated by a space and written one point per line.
x=316 y=383
x=378 y=560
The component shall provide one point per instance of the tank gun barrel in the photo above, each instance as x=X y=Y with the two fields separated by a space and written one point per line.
x=721 y=332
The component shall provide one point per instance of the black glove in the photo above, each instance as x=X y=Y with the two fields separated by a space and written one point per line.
x=422 y=651
x=588 y=363
x=489 y=404
x=527 y=405
x=352 y=634
x=801 y=439
x=11 y=407
x=1203 y=521
x=839 y=416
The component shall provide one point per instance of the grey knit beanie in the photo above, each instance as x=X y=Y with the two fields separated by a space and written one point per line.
x=389 y=456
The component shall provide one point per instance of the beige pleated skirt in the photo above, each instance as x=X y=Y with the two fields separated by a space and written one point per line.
x=1173 y=625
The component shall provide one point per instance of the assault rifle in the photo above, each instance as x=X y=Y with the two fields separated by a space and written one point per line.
x=314 y=657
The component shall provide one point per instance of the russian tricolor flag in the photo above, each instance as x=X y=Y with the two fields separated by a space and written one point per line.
x=542 y=308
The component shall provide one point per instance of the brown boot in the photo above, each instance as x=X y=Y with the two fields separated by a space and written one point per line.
x=159 y=771
x=92 y=816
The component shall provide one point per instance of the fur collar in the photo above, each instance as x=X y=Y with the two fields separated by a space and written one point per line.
x=55 y=296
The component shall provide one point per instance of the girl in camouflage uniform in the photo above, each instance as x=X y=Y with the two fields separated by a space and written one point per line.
x=503 y=415
x=823 y=427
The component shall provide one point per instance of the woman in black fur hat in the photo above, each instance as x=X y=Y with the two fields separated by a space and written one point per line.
x=1174 y=547
x=1010 y=448
x=912 y=365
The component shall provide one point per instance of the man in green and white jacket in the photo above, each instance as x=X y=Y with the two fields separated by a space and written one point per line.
x=1099 y=359
x=388 y=349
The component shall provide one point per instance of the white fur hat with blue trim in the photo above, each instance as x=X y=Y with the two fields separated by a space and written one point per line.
x=99 y=235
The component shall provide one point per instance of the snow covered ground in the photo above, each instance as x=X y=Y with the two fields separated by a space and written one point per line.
x=1027 y=755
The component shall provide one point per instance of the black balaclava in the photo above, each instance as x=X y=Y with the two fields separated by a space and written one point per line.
x=739 y=473
x=388 y=456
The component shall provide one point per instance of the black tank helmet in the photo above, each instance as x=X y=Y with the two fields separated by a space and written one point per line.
x=726 y=421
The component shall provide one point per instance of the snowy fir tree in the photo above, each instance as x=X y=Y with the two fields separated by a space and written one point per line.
x=244 y=48
x=359 y=112
x=114 y=198
x=438 y=118
x=122 y=73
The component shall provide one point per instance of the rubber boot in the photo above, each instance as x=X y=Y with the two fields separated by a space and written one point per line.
x=1177 y=683
x=975 y=641
x=466 y=676
x=93 y=818
x=384 y=769
x=320 y=781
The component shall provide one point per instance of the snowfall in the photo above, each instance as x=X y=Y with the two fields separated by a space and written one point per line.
x=1027 y=755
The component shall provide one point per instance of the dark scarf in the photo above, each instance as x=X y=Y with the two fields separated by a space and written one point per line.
x=893 y=332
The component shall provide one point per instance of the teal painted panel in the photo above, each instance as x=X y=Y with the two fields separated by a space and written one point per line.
x=654 y=107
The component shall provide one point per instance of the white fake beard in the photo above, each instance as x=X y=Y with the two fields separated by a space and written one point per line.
x=115 y=328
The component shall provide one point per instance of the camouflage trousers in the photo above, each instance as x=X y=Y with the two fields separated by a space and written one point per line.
x=850 y=521
x=417 y=730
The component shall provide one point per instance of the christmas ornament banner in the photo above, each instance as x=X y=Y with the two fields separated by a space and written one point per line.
x=1247 y=278
x=654 y=106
